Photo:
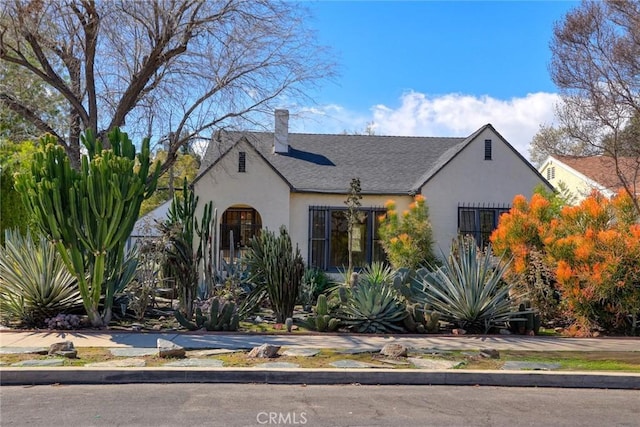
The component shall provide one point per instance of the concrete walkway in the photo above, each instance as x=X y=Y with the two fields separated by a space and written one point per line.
x=335 y=341
x=10 y=341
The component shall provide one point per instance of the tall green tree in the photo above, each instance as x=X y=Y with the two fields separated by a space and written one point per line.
x=89 y=213
x=14 y=158
x=180 y=68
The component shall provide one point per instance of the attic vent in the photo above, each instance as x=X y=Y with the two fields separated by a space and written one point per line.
x=242 y=161
x=487 y=149
x=551 y=172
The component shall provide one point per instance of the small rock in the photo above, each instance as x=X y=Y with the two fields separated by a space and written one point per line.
x=265 y=351
x=136 y=327
x=490 y=353
x=504 y=331
x=458 y=331
x=169 y=349
x=258 y=319
x=157 y=327
x=64 y=348
x=394 y=350
x=596 y=334
x=161 y=318
x=70 y=354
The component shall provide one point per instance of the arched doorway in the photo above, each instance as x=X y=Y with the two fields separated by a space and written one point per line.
x=238 y=225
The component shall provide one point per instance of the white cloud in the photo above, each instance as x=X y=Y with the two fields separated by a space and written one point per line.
x=517 y=119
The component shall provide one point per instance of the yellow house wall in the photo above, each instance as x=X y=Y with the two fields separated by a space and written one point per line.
x=576 y=183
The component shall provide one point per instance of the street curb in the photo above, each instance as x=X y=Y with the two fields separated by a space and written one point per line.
x=74 y=375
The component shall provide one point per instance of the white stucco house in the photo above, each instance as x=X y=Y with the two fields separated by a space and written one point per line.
x=583 y=174
x=260 y=180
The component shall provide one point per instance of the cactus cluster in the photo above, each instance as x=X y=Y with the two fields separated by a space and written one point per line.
x=89 y=213
x=421 y=319
x=222 y=317
x=276 y=269
x=527 y=321
x=322 y=321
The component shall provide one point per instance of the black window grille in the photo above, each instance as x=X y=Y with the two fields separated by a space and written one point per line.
x=479 y=220
x=328 y=238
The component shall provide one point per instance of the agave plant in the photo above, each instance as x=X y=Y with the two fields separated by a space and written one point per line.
x=468 y=289
x=34 y=282
x=373 y=308
x=377 y=273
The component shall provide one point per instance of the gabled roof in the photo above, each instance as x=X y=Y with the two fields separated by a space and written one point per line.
x=324 y=163
x=602 y=169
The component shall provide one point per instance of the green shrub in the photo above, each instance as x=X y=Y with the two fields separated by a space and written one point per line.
x=34 y=282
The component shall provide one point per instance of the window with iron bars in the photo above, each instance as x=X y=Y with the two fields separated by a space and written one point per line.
x=328 y=238
x=479 y=220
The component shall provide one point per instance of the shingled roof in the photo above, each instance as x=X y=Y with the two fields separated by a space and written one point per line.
x=324 y=163
x=602 y=170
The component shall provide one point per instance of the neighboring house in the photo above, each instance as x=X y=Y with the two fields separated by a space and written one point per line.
x=262 y=180
x=583 y=174
x=147 y=225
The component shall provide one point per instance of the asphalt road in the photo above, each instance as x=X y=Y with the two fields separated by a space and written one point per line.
x=172 y=405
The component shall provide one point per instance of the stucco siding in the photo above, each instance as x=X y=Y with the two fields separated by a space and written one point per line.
x=470 y=179
x=260 y=187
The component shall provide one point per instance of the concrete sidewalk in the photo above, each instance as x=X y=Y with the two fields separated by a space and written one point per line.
x=12 y=340
x=336 y=341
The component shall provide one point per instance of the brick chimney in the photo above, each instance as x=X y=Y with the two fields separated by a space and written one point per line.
x=281 y=132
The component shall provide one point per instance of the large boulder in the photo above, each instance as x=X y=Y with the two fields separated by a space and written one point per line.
x=265 y=351
x=169 y=349
x=64 y=349
x=394 y=350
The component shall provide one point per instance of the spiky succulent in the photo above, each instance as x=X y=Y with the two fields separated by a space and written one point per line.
x=373 y=309
x=468 y=289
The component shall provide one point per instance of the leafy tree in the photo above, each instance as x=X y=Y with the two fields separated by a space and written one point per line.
x=408 y=239
x=14 y=158
x=89 y=213
x=185 y=167
x=595 y=65
x=179 y=68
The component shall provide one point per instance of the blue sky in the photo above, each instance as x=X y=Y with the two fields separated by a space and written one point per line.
x=435 y=68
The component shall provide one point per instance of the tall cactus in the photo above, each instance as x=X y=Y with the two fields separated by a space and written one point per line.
x=89 y=213
x=277 y=269
x=191 y=243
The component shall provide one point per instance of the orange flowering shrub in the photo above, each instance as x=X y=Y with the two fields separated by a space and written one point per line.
x=521 y=236
x=597 y=248
x=407 y=239
x=592 y=251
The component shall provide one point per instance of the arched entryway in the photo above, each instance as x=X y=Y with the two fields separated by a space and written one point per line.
x=238 y=225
